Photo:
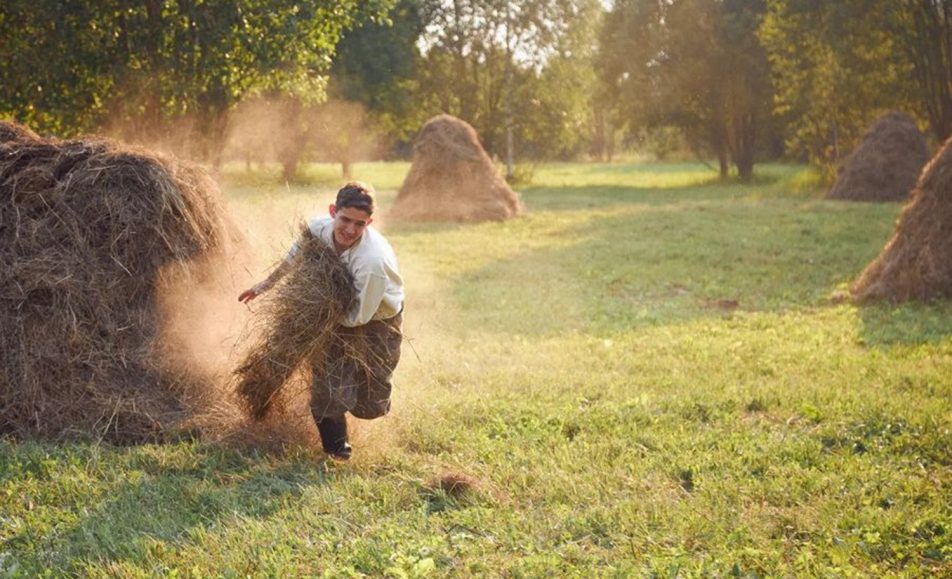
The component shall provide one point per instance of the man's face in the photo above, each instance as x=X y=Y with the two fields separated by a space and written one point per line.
x=349 y=225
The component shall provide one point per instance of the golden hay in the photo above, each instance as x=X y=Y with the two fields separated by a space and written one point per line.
x=452 y=178
x=88 y=230
x=916 y=263
x=297 y=324
x=13 y=131
x=885 y=165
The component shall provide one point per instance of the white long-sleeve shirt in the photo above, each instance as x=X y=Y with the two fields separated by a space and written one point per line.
x=373 y=264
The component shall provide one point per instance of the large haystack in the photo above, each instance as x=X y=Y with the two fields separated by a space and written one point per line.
x=885 y=165
x=917 y=261
x=88 y=231
x=14 y=131
x=452 y=178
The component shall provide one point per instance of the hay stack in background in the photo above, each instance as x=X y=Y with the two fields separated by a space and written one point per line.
x=13 y=131
x=297 y=324
x=885 y=165
x=917 y=261
x=88 y=230
x=452 y=178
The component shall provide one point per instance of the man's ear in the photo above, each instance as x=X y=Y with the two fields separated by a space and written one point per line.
x=370 y=220
x=332 y=209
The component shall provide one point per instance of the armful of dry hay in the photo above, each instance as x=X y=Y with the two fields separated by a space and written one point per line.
x=296 y=324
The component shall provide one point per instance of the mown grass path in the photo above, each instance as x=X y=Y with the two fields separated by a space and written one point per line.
x=645 y=375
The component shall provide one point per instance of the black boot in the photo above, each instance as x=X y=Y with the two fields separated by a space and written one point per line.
x=334 y=437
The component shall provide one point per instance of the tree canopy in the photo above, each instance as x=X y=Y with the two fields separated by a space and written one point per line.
x=138 y=65
x=541 y=79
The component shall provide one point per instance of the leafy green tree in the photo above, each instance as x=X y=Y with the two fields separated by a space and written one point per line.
x=923 y=29
x=835 y=65
x=506 y=67
x=59 y=62
x=376 y=64
x=142 y=64
x=693 y=64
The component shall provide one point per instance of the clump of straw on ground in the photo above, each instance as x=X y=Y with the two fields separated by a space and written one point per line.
x=916 y=263
x=88 y=231
x=452 y=178
x=296 y=326
x=885 y=165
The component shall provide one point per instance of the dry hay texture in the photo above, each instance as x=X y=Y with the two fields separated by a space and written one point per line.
x=13 y=131
x=885 y=165
x=916 y=264
x=88 y=231
x=452 y=178
x=296 y=325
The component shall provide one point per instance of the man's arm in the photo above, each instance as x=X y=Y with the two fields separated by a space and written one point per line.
x=279 y=272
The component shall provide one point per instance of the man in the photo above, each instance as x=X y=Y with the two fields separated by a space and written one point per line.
x=345 y=385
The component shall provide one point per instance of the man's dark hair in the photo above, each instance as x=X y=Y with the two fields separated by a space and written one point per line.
x=357 y=195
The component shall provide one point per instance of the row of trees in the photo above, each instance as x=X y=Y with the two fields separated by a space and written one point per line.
x=735 y=80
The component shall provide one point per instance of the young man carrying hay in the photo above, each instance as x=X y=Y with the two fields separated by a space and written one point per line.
x=344 y=383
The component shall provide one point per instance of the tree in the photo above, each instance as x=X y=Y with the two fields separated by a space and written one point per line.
x=693 y=64
x=835 y=66
x=484 y=61
x=923 y=28
x=142 y=64
x=376 y=64
x=342 y=133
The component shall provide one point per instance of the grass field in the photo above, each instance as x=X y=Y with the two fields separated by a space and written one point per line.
x=647 y=375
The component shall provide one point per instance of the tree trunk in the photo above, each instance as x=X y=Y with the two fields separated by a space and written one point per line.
x=745 y=146
x=292 y=149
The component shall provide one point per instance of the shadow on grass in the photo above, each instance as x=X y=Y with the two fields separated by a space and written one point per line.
x=909 y=324
x=153 y=495
x=602 y=197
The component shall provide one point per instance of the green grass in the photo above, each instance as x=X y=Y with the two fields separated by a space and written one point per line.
x=646 y=375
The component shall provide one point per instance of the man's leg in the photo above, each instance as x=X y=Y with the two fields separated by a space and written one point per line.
x=383 y=339
x=333 y=393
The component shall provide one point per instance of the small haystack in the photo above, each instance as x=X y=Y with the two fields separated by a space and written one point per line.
x=452 y=178
x=885 y=165
x=297 y=325
x=88 y=231
x=917 y=261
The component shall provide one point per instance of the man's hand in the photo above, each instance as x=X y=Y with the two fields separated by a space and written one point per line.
x=248 y=295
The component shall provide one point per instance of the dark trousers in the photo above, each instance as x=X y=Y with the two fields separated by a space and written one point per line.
x=357 y=373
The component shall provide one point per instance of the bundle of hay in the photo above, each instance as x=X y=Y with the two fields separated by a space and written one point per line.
x=298 y=322
x=917 y=261
x=452 y=178
x=885 y=165
x=88 y=231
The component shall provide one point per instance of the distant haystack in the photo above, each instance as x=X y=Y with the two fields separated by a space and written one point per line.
x=88 y=231
x=917 y=261
x=885 y=165
x=452 y=178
